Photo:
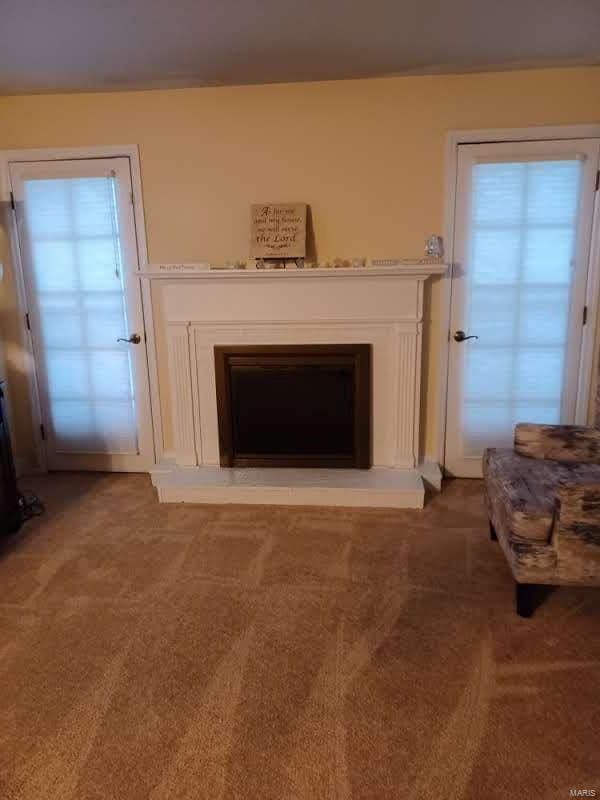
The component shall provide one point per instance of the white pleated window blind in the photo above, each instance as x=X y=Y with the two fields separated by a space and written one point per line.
x=73 y=235
x=521 y=247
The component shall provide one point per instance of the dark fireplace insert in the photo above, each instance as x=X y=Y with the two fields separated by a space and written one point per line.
x=294 y=405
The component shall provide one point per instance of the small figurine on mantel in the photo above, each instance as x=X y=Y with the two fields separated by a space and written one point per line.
x=434 y=247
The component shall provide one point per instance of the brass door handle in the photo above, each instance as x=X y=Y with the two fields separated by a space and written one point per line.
x=133 y=339
x=461 y=336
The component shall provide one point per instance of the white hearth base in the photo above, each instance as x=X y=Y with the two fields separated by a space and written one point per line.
x=378 y=487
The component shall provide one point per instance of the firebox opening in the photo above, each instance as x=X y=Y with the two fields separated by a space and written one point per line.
x=298 y=405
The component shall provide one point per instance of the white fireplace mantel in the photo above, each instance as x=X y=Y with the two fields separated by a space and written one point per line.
x=203 y=271
x=380 y=306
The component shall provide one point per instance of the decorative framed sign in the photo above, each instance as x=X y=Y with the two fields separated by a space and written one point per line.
x=278 y=230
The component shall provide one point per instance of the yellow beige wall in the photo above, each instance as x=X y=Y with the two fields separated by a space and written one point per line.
x=367 y=155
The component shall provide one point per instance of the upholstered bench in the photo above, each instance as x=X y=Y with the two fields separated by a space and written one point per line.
x=543 y=503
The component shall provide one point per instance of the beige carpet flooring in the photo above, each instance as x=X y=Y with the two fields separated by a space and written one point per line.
x=155 y=651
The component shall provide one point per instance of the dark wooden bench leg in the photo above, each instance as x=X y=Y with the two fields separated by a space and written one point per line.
x=525 y=599
x=493 y=534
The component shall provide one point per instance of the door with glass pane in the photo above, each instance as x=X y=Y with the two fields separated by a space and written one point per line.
x=523 y=221
x=78 y=250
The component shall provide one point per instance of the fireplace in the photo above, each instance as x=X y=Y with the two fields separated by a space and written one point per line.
x=294 y=405
x=260 y=313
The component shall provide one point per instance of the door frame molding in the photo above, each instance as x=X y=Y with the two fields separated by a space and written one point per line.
x=589 y=343
x=28 y=362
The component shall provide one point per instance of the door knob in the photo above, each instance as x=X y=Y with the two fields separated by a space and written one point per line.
x=133 y=339
x=461 y=336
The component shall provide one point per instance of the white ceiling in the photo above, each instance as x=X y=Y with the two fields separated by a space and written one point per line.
x=54 y=45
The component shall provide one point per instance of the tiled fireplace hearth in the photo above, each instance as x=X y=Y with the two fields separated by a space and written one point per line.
x=214 y=312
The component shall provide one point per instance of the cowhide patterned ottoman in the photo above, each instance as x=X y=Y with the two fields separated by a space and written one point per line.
x=543 y=502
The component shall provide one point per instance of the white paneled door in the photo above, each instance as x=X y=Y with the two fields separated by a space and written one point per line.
x=78 y=250
x=523 y=225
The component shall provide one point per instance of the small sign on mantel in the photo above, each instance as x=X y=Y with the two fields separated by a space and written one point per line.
x=178 y=269
x=278 y=230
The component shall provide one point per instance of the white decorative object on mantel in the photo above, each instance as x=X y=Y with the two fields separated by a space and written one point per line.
x=380 y=306
x=174 y=270
x=434 y=246
x=399 y=262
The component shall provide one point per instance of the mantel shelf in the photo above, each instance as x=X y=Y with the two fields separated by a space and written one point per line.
x=192 y=272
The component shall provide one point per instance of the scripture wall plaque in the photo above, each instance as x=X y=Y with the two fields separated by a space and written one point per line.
x=278 y=230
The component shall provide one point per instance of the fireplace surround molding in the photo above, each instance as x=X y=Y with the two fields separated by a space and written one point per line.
x=380 y=306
